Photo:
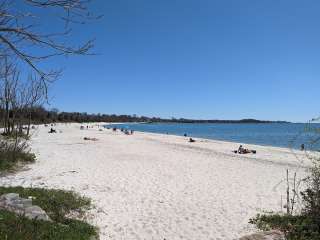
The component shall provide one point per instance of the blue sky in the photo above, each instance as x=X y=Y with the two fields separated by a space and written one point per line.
x=204 y=59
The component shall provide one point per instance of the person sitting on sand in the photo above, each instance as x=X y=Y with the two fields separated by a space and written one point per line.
x=240 y=149
x=191 y=140
x=52 y=131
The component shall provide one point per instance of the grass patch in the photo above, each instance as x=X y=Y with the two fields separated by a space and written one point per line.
x=300 y=227
x=19 y=228
x=15 y=134
x=10 y=160
x=12 y=154
x=57 y=204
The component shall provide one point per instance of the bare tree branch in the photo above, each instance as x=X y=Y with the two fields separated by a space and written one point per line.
x=20 y=35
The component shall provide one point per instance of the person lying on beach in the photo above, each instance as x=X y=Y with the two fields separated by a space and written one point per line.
x=249 y=151
x=191 y=140
x=242 y=150
x=92 y=139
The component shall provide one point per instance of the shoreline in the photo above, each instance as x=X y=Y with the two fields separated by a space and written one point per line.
x=208 y=142
x=156 y=186
x=205 y=138
x=218 y=141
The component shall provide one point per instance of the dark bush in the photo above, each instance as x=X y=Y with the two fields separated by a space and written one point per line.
x=294 y=227
x=13 y=152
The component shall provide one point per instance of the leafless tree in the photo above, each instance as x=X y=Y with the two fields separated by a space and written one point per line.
x=32 y=94
x=18 y=98
x=22 y=35
x=8 y=91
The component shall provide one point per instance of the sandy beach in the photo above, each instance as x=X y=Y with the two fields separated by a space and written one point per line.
x=153 y=186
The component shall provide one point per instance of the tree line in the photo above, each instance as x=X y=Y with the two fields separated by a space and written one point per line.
x=37 y=114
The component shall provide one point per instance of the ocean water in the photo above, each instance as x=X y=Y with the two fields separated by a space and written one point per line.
x=290 y=135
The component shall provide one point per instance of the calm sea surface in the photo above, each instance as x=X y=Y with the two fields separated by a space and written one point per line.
x=276 y=134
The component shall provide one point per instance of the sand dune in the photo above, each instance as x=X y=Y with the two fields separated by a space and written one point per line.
x=153 y=186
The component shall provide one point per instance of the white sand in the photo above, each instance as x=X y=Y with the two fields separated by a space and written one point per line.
x=152 y=186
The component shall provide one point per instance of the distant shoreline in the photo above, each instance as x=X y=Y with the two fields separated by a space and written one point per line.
x=43 y=115
x=215 y=121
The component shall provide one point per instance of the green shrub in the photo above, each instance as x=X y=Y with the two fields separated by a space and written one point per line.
x=16 y=134
x=294 y=227
x=311 y=196
x=57 y=204
x=14 y=152
x=14 y=227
